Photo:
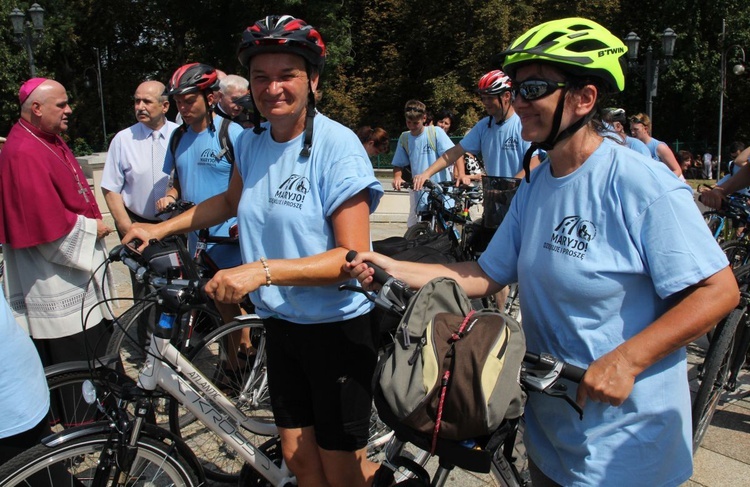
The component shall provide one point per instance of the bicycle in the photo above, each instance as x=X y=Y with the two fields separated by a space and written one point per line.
x=733 y=215
x=727 y=353
x=200 y=319
x=447 y=207
x=246 y=387
x=492 y=454
x=115 y=443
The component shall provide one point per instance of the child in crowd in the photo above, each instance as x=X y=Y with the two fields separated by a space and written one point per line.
x=416 y=150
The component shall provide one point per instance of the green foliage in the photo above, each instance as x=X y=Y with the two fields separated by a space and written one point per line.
x=380 y=53
x=81 y=148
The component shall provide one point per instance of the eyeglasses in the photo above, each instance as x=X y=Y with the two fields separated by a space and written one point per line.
x=536 y=89
x=414 y=110
x=637 y=120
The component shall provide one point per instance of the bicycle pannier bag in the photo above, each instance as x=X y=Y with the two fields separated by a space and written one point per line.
x=453 y=373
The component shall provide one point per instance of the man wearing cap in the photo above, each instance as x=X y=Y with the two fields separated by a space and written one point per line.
x=51 y=230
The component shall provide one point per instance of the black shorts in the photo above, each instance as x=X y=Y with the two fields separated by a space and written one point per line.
x=321 y=376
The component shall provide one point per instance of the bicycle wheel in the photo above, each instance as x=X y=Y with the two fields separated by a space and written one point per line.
x=737 y=252
x=130 y=340
x=79 y=461
x=242 y=379
x=715 y=222
x=715 y=373
x=67 y=406
x=421 y=228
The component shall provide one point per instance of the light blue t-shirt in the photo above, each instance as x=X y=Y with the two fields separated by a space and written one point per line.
x=286 y=208
x=501 y=146
x=201 y=176
x=421 y=156
x=24 y=397
x=637 y=145
x=598 y=255
x=652 y=145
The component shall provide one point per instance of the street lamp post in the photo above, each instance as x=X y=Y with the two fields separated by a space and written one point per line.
x=98 y=73
x=652 y=67
x=28 y=33
x=738 y=69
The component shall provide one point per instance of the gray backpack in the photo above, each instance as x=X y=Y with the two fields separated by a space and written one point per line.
x=453 y=372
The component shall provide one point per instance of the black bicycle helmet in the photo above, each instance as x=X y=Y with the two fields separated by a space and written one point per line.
x=192 y=78
x=195 y=78
x=283 y=34
x=288 y=35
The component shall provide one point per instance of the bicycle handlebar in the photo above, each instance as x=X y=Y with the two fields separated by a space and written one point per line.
x=176 y=205
x=174 y=291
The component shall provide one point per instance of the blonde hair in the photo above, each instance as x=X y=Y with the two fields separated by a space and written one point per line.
x=643 y=119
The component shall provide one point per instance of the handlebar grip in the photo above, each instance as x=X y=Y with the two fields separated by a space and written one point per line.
x=572 y=372
x=568 y=371
x=380 y=276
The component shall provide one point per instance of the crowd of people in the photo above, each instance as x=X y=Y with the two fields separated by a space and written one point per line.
x=609 y=280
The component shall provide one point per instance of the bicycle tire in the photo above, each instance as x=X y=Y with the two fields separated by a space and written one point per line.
x=67 y=405
x=249 y=394
x=156 y=464
x=715 y=373
x=737 y=252
x=418 y=230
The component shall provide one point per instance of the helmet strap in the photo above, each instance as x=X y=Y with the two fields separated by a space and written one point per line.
x=554 y=137
x=505 y=111
x=257 y=128
x=309 y=116
x=209 y=113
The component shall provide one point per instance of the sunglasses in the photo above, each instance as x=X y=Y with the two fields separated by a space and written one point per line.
x=637 y=120
x=536 y=89
x=414 y=110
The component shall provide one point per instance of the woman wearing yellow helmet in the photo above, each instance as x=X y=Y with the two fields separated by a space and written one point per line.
x=616 y=271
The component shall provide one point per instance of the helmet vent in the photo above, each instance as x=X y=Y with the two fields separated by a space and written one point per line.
x=586 y=45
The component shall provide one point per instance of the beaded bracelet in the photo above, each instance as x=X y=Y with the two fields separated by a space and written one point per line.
x=268 y=271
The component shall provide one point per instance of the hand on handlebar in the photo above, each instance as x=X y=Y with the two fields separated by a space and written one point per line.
x=418 y=181
x=608 y=379
x=163 y=203
x=712 y=197
x=143 y=232
x=360 y=271
x=232 y=285
x=397 y=182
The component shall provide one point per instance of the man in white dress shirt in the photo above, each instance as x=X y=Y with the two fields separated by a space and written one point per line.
x=133 y=178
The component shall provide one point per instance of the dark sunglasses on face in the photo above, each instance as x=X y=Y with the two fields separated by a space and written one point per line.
x=536 y=89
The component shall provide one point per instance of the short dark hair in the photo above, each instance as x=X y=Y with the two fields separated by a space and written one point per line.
x=736 y=146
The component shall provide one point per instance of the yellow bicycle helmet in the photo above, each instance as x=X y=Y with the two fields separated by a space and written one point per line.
x=579 y=46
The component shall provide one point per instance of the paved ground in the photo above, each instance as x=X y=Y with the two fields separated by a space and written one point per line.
x=724 y=457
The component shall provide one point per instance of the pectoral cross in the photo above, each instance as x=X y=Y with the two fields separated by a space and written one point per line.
x=83 y=191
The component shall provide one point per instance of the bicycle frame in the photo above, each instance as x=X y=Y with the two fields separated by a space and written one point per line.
x=210 y=406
